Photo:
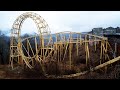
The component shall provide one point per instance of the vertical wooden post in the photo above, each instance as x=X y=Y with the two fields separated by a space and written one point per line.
x=77 y=45
x=62 y=51
x=70 y=51
x=106 y=50
x=19 y=47
x=101 y=52
x=36 y=49
x=28 y=49
x=43 y=48
x=106 y=54
x=87 y=49
x=41 y=45
x=70 y=54
x=87 y=53
x=85 y=41
x=58 y=52
x=12 y=62
x=80 y=40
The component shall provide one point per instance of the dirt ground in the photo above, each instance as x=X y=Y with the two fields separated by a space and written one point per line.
x=6 y=72
x=18 y=72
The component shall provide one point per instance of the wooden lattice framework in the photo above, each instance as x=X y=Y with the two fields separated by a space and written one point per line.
x=56 y=46
x=15 y=42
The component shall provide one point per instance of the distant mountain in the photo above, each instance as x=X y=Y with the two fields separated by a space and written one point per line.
x=84 y=32
x=5 y=31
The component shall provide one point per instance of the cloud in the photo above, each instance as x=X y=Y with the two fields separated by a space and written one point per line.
x=60 y=28
x=78 y=21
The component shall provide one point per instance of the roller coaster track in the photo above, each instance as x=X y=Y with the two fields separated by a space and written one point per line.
x=85 y=72
x=57 y=47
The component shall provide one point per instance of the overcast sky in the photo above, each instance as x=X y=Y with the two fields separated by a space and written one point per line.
x=78 y=21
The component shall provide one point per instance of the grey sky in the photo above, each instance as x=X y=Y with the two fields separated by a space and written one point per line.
x=78 y=21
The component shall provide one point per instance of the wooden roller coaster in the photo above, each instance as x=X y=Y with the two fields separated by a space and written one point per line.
x=62 y=48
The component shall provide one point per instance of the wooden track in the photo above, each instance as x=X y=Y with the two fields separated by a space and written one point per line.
x=57 y=49
x=85 y=72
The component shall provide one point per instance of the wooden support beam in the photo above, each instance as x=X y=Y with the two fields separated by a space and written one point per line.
x=66 y=47
x=36 y=49
x=87 y=54
x=28 y=49
x=80 y=40
x=77 y=45
x=60 y=50
x=85 y=42
x=106 y=50
x=101 y=54
x=58 y=53
x=31 y=48
x=43 y=48
x=92 y=69
x=70 y=51
x=103 y=50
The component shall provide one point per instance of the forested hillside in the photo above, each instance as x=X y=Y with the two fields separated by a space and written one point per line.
x=5 y=47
